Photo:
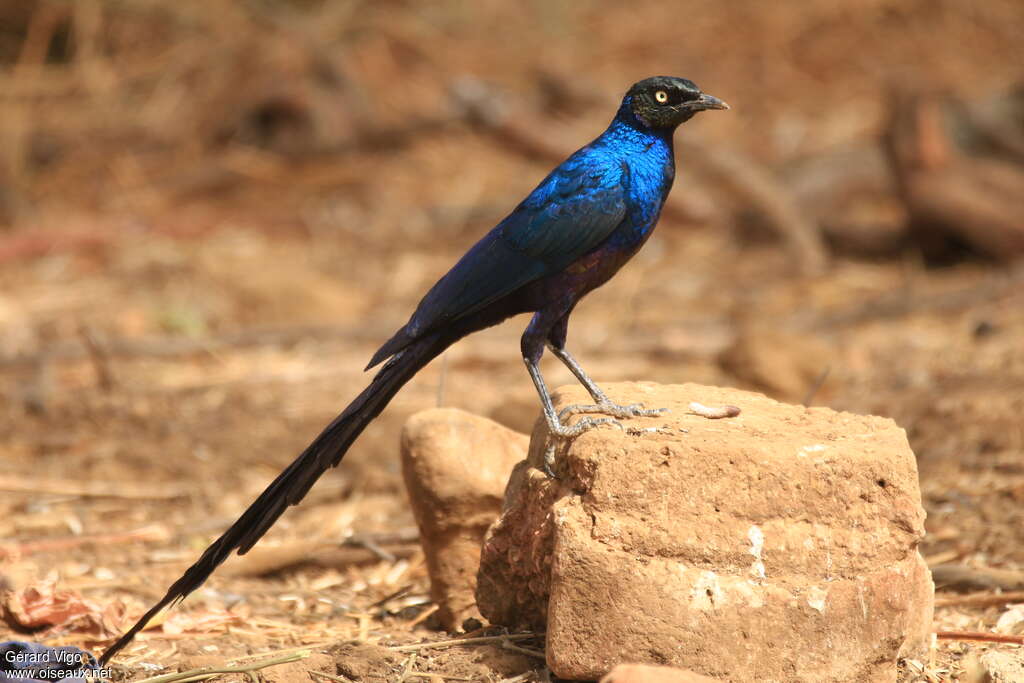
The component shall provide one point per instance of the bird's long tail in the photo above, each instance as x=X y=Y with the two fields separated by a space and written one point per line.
x=291 y=486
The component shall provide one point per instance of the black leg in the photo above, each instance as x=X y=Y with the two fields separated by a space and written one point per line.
x=554 y=423
x=602 y=404
x=532 y=345
x=574 y=367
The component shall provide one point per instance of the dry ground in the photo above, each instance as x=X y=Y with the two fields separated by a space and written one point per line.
x=164 y=353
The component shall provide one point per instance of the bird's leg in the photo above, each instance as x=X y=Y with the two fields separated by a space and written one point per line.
x=532 y=345
x=602 y=404
x=555 y=425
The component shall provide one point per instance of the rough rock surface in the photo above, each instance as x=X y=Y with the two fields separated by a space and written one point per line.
x=779 y=545
x=455 y=467
x=645 y=673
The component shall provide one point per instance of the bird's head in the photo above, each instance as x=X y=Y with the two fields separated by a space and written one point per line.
x=663 y=102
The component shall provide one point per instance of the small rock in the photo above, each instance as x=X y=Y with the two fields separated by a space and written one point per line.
x=643 y=673
x=960 y=203
x=786 y=365
x=455 y=466
x=363 y=662
x=1003 y=667
x=778 y=545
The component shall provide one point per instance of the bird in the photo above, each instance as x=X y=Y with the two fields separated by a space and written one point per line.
x=570 y=235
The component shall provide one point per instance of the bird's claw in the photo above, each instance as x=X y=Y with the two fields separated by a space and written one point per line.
x=563 y=431
x=559 y=429
x=548 y=466
x=582 y=425
x=613 y=409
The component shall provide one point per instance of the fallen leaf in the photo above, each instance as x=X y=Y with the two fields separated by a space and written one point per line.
x=41 y=605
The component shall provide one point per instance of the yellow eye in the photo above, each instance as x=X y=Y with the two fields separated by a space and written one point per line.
x=661 y=96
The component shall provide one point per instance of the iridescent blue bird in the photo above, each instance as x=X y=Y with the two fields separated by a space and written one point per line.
x=569 y=236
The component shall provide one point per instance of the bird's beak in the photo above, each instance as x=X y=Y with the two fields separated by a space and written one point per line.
x=709 y=102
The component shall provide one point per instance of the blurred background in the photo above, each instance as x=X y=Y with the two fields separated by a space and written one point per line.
x=211 y=213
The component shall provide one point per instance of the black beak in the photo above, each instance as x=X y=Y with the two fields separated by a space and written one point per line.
x=708 y=102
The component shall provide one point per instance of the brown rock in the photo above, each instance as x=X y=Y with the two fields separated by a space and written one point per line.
x=364 y=662
x=956 y=201
x=643 y=673
x=517 y=410
x=1003 y=667
x=787 y=365
x=780 y=545
x=455 y=467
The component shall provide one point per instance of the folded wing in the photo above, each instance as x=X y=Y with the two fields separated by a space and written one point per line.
x=569 y=214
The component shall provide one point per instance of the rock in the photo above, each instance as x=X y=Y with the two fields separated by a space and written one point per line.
x=786 y=365
x=642 y=673
x=1003 y=667
x=958 y=202
x=363 y=662
x=779 y=545
x=455 y=467
x=517 y=410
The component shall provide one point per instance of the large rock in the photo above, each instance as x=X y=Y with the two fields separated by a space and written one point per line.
x=645 y=673
x=779 y=545
x=455 y=467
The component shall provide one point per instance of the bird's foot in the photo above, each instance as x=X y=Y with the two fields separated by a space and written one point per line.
x=563 y=431
x=614 y=409
x=582 y=425
x=548 y=466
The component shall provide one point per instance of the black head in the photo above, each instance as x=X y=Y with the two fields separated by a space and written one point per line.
x=666 y=101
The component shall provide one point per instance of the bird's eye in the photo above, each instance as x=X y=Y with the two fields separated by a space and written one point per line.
x=661 y=96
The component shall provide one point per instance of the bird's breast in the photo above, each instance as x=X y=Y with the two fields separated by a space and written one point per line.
x=651 y=177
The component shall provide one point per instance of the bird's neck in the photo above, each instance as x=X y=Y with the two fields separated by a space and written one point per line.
x=627 y=129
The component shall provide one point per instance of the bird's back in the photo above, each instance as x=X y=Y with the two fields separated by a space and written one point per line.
x=571 y=212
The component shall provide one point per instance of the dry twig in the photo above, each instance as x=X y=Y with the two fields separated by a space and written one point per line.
x=204 y=673
x=960 y=577
x=980 y=599
x=172 y=347
x=153 y=532
x=980 y=636
x=506 y=644
x=74 y=487
x=330 y=677
x=755 y=185
x=325 y=553
x=99 y=357
x=407 y=669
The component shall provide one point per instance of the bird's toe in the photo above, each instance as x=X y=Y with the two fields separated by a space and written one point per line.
x=579 y=409
x=638 y=410
x=583 y=425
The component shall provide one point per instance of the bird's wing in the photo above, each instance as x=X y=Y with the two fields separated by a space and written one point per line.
x=569 y=214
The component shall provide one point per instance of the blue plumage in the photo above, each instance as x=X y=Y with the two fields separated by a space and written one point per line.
x=569 y=214
x=607 y=195
x=570 y=235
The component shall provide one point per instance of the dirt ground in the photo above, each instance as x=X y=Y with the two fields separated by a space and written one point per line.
x=180 y=315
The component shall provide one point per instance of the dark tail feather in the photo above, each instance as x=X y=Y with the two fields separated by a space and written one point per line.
x=399 y=341
x=291 y=486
